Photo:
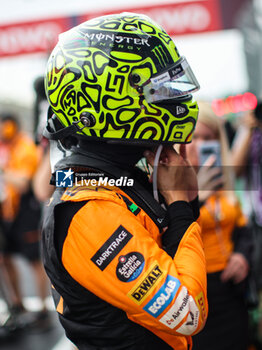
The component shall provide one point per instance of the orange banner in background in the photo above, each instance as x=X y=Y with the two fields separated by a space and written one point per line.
x=31 y=37
x=178 y=18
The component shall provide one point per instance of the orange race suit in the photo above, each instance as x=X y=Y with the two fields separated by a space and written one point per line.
x=117 y=283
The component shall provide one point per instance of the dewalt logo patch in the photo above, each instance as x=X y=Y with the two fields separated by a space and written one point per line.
x=146 y=284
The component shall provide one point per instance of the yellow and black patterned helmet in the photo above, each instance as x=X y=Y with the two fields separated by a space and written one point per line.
x=121 y=78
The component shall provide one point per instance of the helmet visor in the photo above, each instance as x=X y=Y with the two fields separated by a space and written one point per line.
x=176 y=82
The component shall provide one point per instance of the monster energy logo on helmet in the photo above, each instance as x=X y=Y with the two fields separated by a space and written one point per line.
x=118 y=39
x=161 y=55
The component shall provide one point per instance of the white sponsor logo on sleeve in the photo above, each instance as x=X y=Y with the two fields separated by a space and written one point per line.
x=178 y=311
x=191 y=323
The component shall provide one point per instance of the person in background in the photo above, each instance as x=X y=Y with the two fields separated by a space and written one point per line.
x=40 y=108
x=226 y=238
x=8 y=296
x=20 y=211
x=41 y=180
x=247 y=161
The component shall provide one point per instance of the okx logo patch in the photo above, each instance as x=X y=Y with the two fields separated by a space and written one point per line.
x=64 y=178
x=111 y=248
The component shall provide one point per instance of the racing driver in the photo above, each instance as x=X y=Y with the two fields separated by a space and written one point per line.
x=124 y=253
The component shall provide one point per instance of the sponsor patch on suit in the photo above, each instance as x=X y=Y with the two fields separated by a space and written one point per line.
x=163 y=297
x=144 y=287
x=130 y=266
x=111 y=248
x=178 y=311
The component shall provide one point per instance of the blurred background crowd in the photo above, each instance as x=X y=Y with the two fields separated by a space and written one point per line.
x=222 y=41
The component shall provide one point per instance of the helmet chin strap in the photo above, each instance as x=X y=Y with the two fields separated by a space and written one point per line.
x=156 y=162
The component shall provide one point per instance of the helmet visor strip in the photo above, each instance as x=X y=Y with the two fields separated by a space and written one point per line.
x=176 y=82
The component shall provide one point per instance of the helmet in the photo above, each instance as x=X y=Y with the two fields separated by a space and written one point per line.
x=120 y=78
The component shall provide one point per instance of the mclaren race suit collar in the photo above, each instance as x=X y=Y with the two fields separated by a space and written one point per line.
x=139 y=193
